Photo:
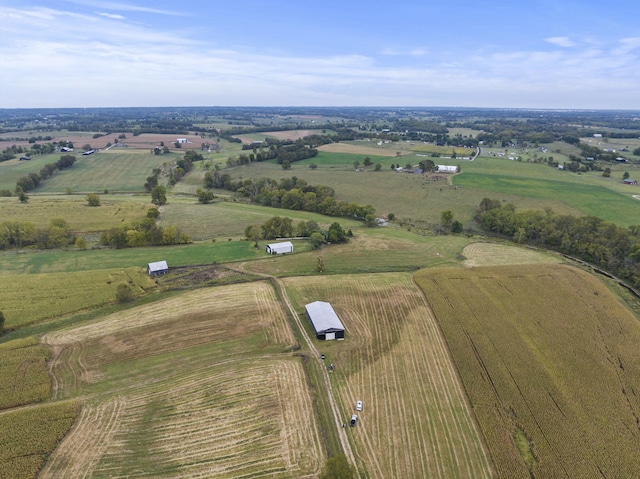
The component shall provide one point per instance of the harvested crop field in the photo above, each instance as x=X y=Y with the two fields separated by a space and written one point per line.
x=549 y=360
x=416 y=421
x=494 y=254
x=197 y=385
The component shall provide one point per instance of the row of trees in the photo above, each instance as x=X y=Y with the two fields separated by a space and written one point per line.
x=282 y=227
x=601 y=243
x=32 y=180
x=293 y=194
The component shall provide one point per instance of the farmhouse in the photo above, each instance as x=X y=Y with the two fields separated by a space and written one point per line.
x=25 y=158
x=157 y=268
x=324 y=320
x=88 y=152
x=280 y=248
x=446 y=169
x=629 y=181
x=181 y=140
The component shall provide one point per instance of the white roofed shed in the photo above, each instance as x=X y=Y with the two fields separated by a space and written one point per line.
x=280 y=248
x=324 y=320
x=159 y=267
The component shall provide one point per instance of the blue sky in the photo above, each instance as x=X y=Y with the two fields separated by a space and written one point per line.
x=508 y=54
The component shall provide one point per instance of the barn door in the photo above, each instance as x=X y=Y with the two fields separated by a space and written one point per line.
x=328 y=336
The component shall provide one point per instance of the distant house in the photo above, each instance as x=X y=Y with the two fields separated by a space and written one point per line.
x=182 y=140
x=280 y=248
x=629 y=181
x=157 y=268
x=324 y=320
x=620 y=159
x=88 y=152
x=66 y=149
x=24 y=158
x=597 y=135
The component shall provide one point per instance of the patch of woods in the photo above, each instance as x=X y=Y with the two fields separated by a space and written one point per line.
x=601 y=243
x=282 y=227
x=143 y=233
x=292 y=194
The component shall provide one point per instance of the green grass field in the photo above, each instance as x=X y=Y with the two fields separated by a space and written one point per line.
x=223 y=220
x=111 y=170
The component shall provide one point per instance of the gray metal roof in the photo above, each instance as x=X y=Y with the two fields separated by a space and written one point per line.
x=323 y=317
x=158 y=266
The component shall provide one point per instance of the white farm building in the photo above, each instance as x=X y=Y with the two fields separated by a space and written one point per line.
x=447 y=169
x=280 y=248
x=159 y=267
x=324 y=320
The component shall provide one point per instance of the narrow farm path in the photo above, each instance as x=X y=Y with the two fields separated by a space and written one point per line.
x=344 y=441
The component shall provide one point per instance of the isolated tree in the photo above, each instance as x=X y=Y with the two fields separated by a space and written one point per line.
x=204 y=197
x=286 y=165
x=391 y=216
x=456 y=227
x=607 y=172
x=80 y=243
x=86 y=147
x=22 y=196
x=159 y=196
x=625 y=175
x=316 y=239
x=320 y=265
x=313 y=166
x=124 y=293
x=367 y=161
x=446 y=219
x=378 y=167
x=356 y=164
x=337 y=467
x=93 y=199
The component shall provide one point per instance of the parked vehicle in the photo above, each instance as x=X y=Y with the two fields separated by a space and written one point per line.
x=358 y=405
x=354 y=420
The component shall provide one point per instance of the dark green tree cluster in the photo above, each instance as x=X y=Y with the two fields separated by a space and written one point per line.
x=143 y=233
x=152 y=181
x=601 y=243
x=293 y=194
x=337 y=467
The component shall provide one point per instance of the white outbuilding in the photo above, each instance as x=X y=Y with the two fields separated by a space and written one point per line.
x=280 y=248
x=324 y=320
x=159 y=267
x=447 y=169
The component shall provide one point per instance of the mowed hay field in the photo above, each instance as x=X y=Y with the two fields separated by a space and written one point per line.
x=80 y=217
x=199 y=385
x=550 y=362
x=114 y=170
x=416 y=421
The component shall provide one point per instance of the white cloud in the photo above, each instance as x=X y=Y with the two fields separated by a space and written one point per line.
x=114 y=16
x=564 y=42
x=416 y=52
x=125 y=7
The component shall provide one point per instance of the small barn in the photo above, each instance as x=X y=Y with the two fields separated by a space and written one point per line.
x=280 y=248
x=324 y=320
x=157 y=268
x=446 y=169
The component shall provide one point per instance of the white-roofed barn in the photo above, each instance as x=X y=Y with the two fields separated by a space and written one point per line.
x=324 y=320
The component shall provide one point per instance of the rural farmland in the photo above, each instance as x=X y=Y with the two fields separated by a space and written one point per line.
x=491 y=319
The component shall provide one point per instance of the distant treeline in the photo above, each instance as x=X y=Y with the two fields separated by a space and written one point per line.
x=293 y=194
x=601 y=243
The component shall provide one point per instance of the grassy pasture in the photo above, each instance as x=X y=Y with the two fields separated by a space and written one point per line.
x=228 y=220
x=28 y=298
x=81 y=218
x=113 y=170
x=551 y=381
x=415 y=422
x=406 y=195
x=56 y=261
x=226 y=399
x=29 y=435
x=12 y=170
